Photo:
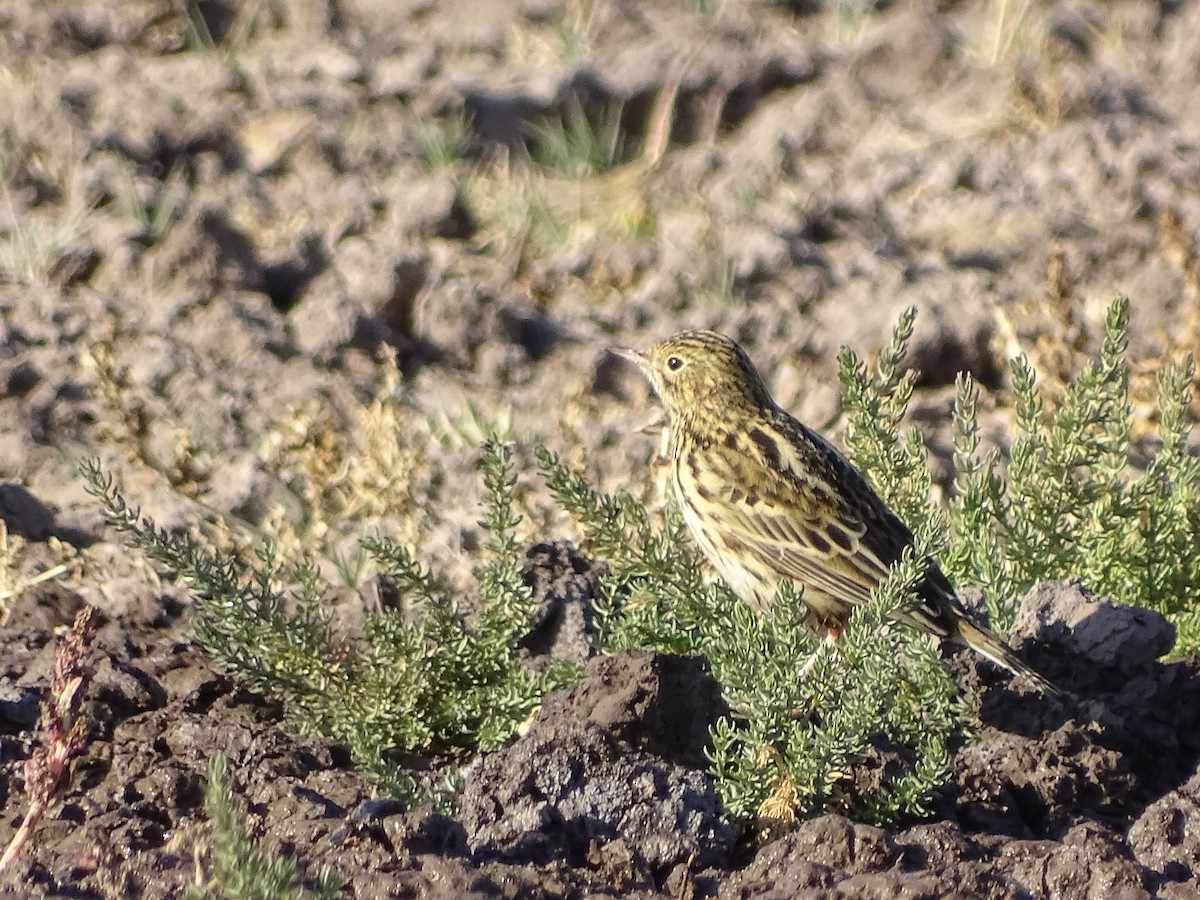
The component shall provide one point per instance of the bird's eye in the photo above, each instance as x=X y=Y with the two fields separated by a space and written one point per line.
x=674 y=363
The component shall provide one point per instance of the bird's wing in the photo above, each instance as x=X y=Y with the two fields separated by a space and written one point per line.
x=810 y=516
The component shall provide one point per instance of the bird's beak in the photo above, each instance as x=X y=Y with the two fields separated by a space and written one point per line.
x=633 y=356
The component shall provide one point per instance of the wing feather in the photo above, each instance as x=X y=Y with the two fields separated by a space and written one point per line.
x=812 y=514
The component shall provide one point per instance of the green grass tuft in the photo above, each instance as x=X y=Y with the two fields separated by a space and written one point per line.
x=239 y=868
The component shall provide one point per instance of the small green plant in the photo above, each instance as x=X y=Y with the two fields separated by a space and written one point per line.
x=461 y=422
x=574 y=31
x=1067 y=500
x=875 y=403
x=435 y=685
x=239 y=868
x=35 y=244
x=1070 y=501
x=155 y=214
x=520 y=209
x=575 y=146
x=443 y=141
x=788 y=749
x=721 y=291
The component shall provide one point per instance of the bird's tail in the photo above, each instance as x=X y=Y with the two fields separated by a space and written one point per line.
x=989 y=644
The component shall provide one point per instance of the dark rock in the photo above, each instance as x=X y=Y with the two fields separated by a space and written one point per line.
x=1090 y=862
x=656 y=702
x=1015 y=785
x=20 y=706
x=567 y=792
x=565 y=585
x=1096 y=632
x=1165 y=838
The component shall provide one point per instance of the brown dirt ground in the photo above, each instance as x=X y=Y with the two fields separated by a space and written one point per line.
x=281 y=265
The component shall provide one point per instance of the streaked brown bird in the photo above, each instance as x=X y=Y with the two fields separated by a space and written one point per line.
x=768 y=499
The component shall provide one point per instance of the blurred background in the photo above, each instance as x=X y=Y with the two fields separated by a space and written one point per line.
x=292 y=260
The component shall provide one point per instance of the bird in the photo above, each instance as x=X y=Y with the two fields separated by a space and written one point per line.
x=768 y=500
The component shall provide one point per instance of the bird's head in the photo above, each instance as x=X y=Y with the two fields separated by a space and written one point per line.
x=698 y=373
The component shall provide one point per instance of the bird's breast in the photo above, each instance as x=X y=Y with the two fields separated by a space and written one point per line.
x=704 y=501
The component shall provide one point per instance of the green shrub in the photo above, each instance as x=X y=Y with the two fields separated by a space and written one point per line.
x=1070 y=501
x=434 y=685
